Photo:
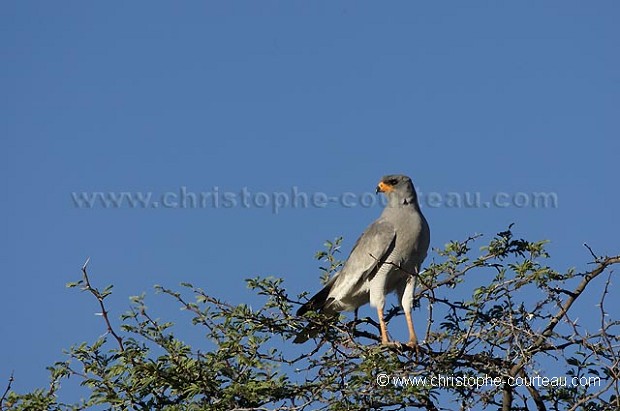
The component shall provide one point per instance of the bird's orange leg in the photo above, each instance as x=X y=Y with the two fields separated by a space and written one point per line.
x=413 y=339
x=384 y=335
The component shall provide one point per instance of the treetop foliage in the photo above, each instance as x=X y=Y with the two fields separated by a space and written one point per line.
x=514 y=321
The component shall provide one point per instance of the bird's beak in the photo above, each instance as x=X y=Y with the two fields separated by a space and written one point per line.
x=384 y=188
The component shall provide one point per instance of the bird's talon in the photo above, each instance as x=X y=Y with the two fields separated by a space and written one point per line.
x=413 y=345
x=394 y=344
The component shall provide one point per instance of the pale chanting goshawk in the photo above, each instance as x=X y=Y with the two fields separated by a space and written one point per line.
x=386 y=258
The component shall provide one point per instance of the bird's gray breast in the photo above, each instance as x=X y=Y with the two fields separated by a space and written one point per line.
x=411 y=246
x=412 y=236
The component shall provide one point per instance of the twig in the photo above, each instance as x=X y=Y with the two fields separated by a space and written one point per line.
x=6 y=392
x=100 y=298
x=431 y=320
x=596 y=258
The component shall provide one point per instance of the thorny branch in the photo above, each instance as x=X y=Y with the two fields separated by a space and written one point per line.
x=539 y=343
x=100 y=298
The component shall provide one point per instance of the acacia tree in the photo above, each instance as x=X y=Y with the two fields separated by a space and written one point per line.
x=493 y=349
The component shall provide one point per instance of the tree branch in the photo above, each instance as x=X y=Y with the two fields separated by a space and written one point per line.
x=100 y=298
x=6 y=392
x=538 y=344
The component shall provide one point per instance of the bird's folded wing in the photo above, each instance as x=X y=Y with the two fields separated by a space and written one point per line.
x=371 y=249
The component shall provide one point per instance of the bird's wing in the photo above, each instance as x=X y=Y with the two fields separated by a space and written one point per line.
x=371 y=249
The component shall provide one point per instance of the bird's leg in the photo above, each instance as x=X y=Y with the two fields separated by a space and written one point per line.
x=407 y=304
x=413 y=339
x=382 y=326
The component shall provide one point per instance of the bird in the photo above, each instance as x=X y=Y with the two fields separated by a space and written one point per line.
x=386 y=258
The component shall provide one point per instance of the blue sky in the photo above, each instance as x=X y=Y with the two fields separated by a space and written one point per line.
x=488 y=97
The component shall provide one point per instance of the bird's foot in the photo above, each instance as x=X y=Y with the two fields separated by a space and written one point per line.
x=393 y=345
x=413 y=345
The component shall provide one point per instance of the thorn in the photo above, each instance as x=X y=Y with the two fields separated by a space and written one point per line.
x=86 y=263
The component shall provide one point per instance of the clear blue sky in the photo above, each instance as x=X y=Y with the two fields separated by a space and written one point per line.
x=326 y=96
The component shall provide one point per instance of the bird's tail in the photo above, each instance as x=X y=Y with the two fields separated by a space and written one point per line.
x=317 y=302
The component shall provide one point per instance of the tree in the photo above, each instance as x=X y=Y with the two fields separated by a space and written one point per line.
x=492 y=350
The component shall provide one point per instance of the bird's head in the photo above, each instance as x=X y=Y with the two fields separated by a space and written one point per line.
x=398 y=189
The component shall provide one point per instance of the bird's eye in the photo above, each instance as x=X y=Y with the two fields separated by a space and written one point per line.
x=393 y=182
